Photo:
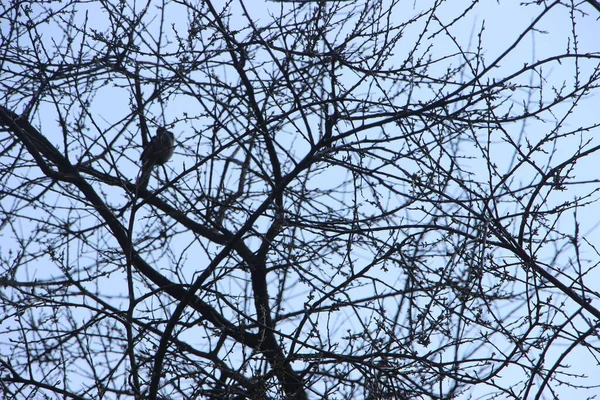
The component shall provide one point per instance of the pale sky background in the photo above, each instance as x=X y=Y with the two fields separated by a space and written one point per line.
x=502 y=26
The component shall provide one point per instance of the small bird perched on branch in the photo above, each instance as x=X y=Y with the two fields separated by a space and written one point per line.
x=157 y=152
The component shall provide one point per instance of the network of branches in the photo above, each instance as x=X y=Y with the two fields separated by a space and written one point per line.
x=367 y=200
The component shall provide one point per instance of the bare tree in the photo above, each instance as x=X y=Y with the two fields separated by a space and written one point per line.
x=367 y=199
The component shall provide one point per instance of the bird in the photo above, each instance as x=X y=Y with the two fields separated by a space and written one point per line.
x=156 y=152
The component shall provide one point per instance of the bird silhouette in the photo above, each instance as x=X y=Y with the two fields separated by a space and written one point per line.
x=157 y=152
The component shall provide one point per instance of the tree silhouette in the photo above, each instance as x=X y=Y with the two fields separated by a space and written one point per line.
x=368 y=199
